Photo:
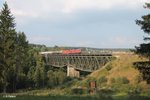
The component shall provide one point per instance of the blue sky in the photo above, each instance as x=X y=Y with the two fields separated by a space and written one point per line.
x=87 y=23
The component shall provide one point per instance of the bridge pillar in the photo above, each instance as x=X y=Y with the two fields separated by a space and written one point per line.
x=72 y=72
x=46 y=58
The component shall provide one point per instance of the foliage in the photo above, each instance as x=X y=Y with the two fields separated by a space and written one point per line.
x=56 y=78
x=121 y=80
x=104 y=96
x=78 y=91
x=135 y=90
x=108 y=67
x=138 y=78
x=8 y=39
x=102 y=79
x=39 y=75
x=144 y=68
x=144 y=49
x=112 y=80
x=21 y=64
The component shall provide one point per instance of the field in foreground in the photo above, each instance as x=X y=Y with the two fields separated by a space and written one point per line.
x=101 y=97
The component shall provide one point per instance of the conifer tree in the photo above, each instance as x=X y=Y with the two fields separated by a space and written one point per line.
x=144 y=49
x=39 y=76
x=21 y=57
x=7 y=46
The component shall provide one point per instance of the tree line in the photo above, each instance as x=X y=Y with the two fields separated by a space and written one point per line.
x=21 y=65
x=144 y=48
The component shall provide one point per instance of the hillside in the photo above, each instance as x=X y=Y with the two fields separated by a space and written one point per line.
x=119 y=76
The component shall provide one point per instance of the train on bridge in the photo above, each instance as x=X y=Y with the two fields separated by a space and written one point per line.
x=74 y=52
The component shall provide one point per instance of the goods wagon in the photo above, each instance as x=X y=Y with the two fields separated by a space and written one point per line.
x=73 y=51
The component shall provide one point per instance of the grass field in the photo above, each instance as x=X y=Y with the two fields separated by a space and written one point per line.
x=75 y=98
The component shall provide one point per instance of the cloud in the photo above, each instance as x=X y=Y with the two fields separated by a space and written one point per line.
x=96 y=23
x=39 y=39
x=73 y=5
x=124 y=41
x=84 y=43
x=50 y=9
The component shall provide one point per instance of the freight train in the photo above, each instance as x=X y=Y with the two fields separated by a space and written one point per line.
x=73 y=51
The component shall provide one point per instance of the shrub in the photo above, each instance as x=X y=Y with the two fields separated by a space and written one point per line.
x=138 y=97
x=122 y=80
x=125 y=80
x=138 y=78
x=135 y=90
x=78 y=91
x=56 y=78
x=104 y=95
x=105 y=91
x=112 y=80
x=108 y=67
x=102 y=79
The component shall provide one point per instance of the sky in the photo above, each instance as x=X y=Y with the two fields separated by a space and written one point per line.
x=80 y=23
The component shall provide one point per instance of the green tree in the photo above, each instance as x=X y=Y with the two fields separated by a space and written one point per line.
x=51 y=79
x=61 y=77
x=144 y=23
x=144 y=48
x=7 y=39
x=39 y=72
x=21 y=55
x=13 y=52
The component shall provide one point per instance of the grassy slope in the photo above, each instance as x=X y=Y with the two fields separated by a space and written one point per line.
x=121 y=67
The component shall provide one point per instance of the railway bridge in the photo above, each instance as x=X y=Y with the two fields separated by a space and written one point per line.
x=75 y=63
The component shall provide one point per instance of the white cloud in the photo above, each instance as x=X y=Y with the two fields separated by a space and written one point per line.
x=73 y=5
x=84 y=43
x=124 y=41
x=24 y=10
x=39 y=39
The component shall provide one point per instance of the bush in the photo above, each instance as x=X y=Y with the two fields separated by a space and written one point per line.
x=135 y=90
x=78 y=91
x=138 y=97
x=122 y=80
x=138 y=78
x=108 y=67
x=105 y=91
x=112 y=80
x=125 y=80
x=56 y=78
x=102 y=79
x=104 y=96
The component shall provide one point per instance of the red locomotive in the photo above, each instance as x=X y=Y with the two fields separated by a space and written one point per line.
x=73 y=51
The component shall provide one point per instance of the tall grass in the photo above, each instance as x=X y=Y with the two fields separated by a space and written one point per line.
x=100 y=97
